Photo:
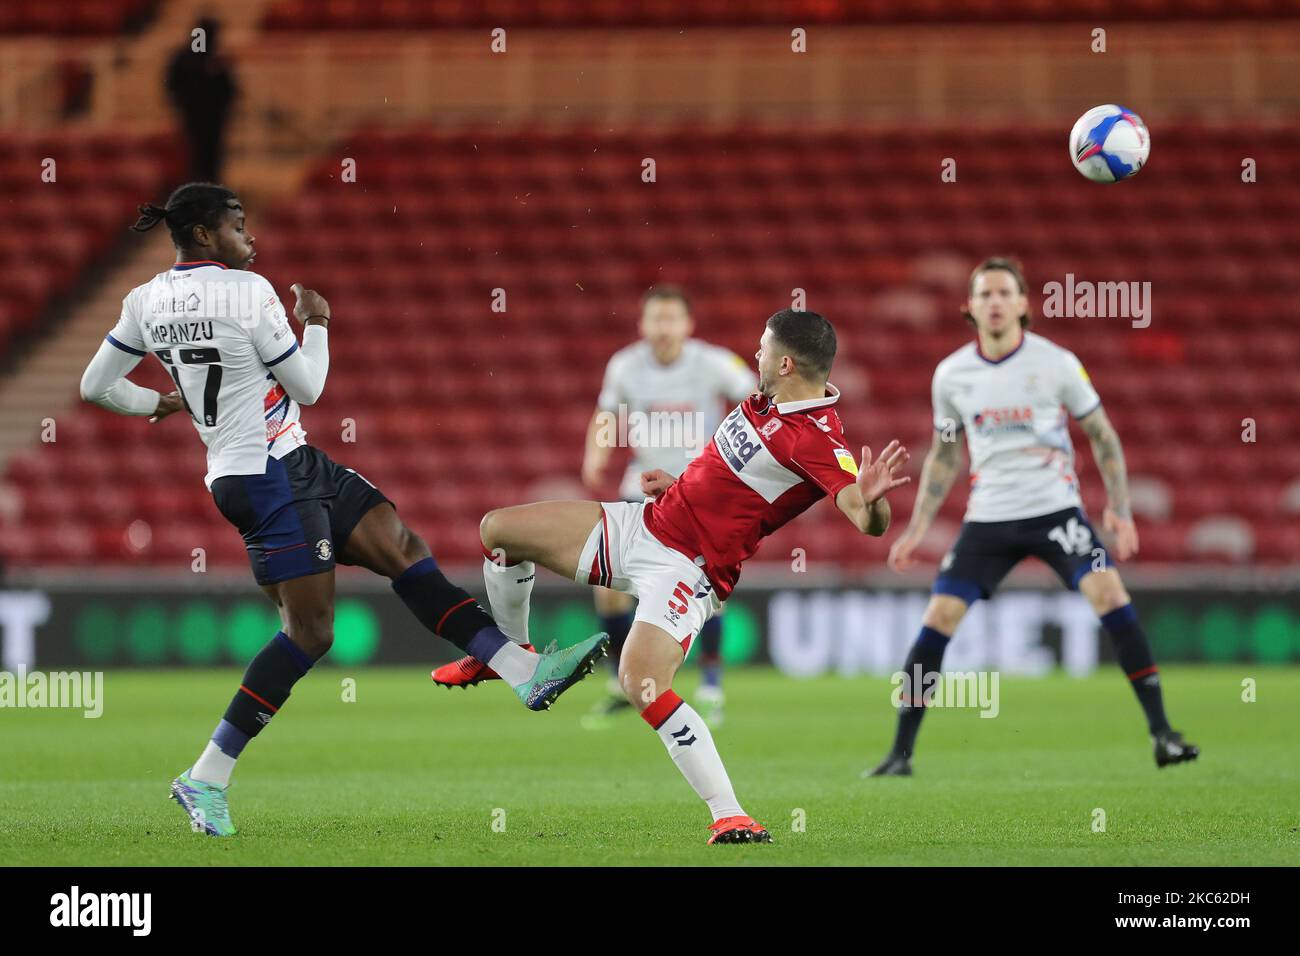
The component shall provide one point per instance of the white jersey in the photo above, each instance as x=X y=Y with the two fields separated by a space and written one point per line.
x=1013 y=412
x=219 y=333
x=667 y=414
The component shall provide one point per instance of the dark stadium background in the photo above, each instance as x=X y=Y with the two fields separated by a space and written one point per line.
x=775 y=171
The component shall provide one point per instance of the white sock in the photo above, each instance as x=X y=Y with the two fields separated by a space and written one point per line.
x=514 y=664
x=690 y=745
x=213 y=766
x=509 y=588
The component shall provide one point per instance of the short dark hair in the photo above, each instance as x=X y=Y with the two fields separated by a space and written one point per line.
x=194 y=204
x=998 y=264
x=809 y=338
x=671 y=293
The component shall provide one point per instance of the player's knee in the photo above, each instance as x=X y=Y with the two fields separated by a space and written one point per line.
x=489 y=529
x=625 y=675
x=316 y=641
x=494 y=532
x=944 y=614
x=637 y=686
x=1110 y=596
x=313 y=632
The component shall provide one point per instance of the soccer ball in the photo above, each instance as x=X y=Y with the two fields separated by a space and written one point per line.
x=1109 y=143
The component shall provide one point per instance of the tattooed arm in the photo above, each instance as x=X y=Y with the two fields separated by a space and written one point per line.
x=942 y=464
x=1109 y=455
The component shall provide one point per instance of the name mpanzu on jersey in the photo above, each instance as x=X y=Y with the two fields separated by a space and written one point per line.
x=179 y=333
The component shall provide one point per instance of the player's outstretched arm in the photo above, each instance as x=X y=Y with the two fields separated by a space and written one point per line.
x=1109 y=455
x=942 y=464
x=863 y=502
x=104 y=383
x=303 y=372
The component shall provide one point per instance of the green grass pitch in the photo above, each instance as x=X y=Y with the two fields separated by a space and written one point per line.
x=412 y=774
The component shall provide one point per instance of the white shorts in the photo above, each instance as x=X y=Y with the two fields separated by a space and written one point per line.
x=672 y=592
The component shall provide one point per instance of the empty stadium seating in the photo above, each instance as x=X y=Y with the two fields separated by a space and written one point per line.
x=420 y=14
x=62 y=217
x=73 y=17
x=457 y=408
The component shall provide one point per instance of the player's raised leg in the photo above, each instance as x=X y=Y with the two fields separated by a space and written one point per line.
x=381 y=542
x=649 y=663
x=515 y=540
x=942 y=616
x=307 y=610
x=549 y=533
x=1110 y=600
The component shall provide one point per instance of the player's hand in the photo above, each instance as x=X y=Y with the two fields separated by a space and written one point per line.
x=876 y=479
x=900 y=552
x=166 y=405
x=310 y=303
x=655 y=483
x=1125 y=532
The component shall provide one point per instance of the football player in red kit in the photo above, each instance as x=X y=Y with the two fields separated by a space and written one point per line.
x=779 y=452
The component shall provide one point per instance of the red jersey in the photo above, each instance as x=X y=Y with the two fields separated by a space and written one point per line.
x=766 y=464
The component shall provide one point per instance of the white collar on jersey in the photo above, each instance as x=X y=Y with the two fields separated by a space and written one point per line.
x=808 y=404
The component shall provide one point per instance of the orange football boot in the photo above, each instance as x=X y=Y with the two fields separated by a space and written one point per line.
x=738 y=830
x=466 y=672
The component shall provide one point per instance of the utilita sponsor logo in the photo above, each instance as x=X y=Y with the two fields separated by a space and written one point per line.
x=75 y=908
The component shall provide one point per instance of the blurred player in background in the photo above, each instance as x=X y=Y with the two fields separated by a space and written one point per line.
x=666 y=373
x=222 y=334
x=773 y=457
x=1009 y=391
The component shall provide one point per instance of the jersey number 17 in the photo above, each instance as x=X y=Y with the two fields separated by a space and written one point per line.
x=211 y=381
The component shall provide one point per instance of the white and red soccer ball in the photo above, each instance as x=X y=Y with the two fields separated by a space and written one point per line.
x=1109 y=143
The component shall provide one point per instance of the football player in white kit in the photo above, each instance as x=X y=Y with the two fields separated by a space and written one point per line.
x=1009 y=391
x=222 y=335
x=686 y=383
